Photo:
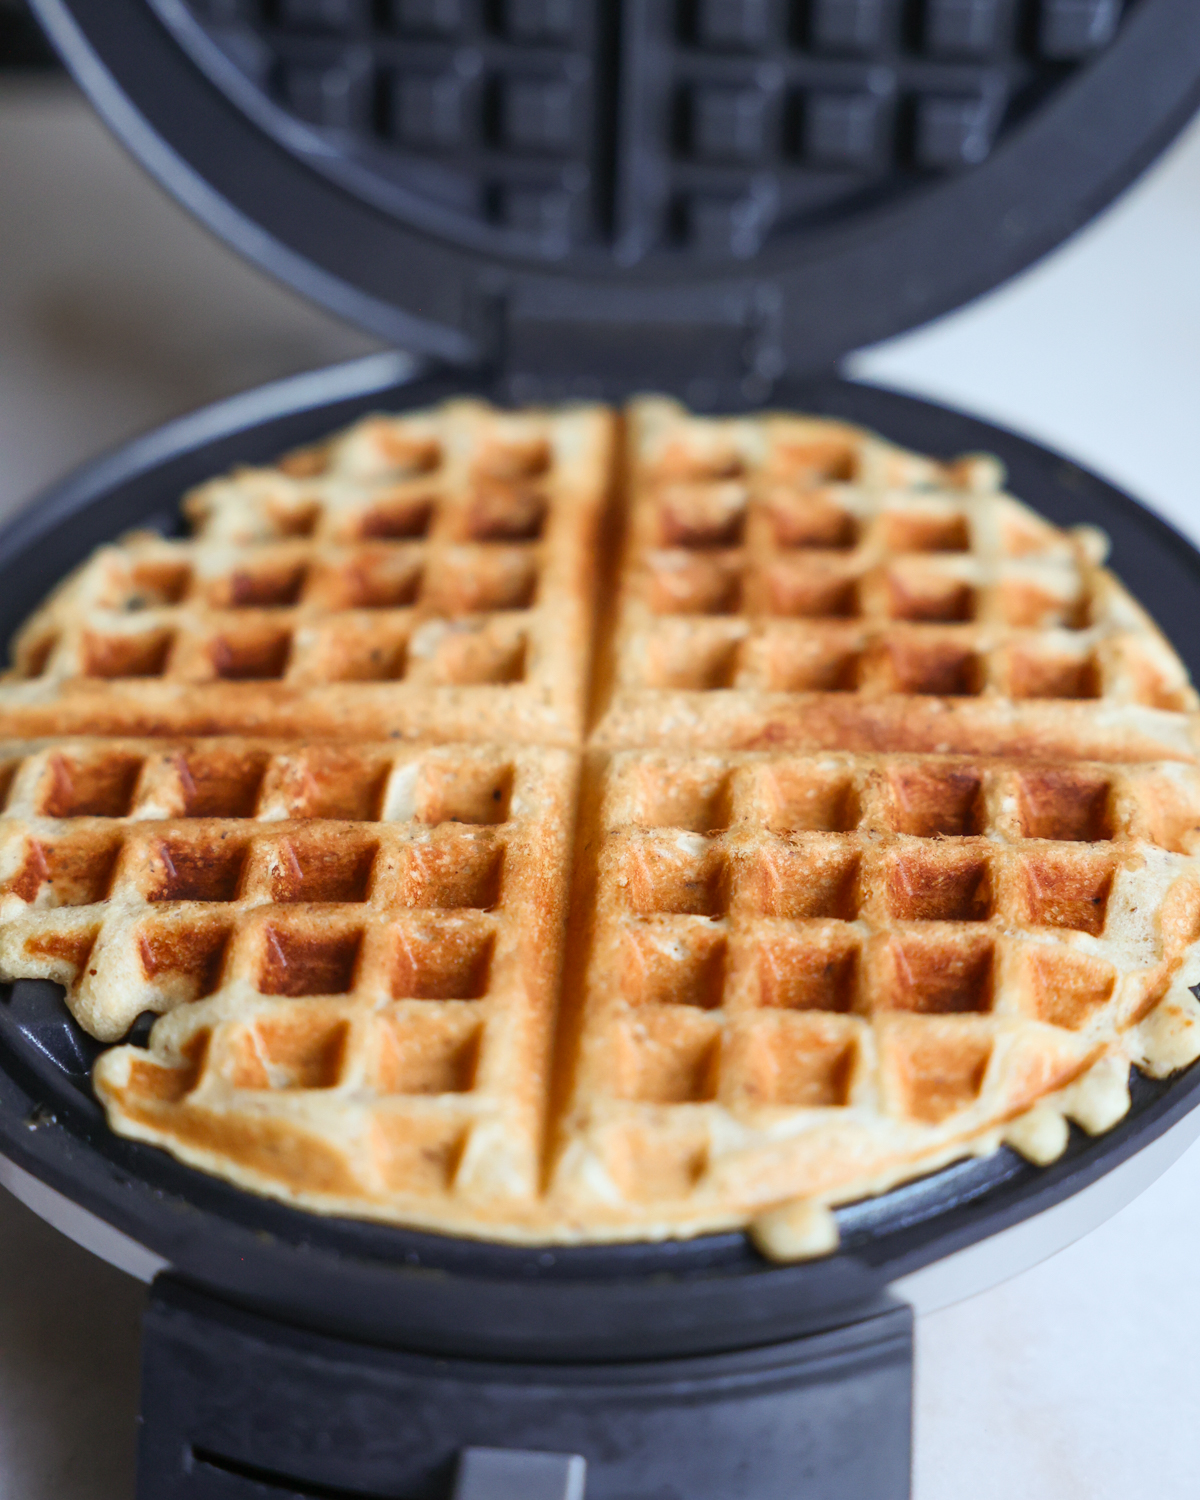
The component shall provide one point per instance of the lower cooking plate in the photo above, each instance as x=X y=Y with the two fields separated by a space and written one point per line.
x=430 y=1292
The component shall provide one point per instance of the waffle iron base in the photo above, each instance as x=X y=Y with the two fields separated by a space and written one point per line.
x=277 y=1334
x=234 y=1405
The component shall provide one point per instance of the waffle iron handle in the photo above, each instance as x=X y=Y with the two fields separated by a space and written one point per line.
x=518 y=1474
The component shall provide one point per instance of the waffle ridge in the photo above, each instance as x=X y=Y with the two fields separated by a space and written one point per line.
x=879 y=849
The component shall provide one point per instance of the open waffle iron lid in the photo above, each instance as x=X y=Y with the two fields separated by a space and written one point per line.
x=688 y=195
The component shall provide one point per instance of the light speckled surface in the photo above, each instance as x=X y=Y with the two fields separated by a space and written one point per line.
x=116 y=313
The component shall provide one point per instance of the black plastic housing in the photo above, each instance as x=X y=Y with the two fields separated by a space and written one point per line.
x=235 y=1407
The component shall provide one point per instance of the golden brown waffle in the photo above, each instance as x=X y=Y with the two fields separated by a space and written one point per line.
x=428 y=576
x=787 y=581
x=887 y=848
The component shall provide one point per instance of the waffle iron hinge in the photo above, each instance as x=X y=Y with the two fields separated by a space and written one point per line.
x=716 y=347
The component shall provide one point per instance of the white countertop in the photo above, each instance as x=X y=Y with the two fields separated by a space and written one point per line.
x=1076 y=1380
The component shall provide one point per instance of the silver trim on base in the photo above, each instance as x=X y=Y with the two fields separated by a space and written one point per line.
x=1002 y=1256
x=78 y=1224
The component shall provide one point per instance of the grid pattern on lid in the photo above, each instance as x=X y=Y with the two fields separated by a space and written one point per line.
x=864 y=941
x=511 y=119
x=784 y=555
x=369 y=934
x=498 y=109
x=427 y=575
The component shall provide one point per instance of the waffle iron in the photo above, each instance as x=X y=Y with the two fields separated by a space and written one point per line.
x=539 y=199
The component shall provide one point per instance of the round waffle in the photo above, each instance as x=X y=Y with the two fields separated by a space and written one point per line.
x=540 y=829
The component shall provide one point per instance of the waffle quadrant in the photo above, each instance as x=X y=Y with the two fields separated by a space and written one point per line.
x=358 y=951
x=554 y=827
x=802 y=976
x=430 y=577
x=793 y=581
